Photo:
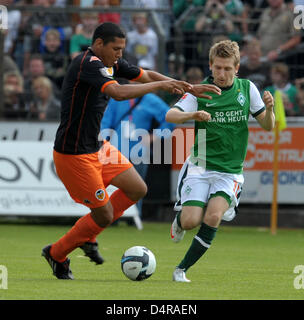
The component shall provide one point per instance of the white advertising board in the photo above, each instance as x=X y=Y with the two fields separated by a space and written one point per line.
x=29 y=184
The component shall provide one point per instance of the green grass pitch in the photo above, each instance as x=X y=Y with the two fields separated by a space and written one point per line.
x=242 y=263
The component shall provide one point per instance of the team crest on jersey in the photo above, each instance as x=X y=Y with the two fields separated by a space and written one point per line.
x=94 y=58
x=107 y=72
x=241 y=99
x=188 y=189
x=100 y=194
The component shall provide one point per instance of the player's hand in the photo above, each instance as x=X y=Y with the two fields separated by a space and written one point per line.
x=268 y=100
x=176 y=86
x=201 y=116
x=200 y=89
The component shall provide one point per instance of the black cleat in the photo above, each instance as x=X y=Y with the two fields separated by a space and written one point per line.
x=60 y=270
x=91 y=250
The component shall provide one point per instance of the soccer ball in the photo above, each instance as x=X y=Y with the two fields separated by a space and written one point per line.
x=138 y=263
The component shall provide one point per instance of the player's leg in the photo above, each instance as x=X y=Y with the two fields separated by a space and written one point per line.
x=119 y=172
x=81 y=175
x=222 y=192
x=190 y=217
x=203 y=239
x=217 y=205
x=192 y=194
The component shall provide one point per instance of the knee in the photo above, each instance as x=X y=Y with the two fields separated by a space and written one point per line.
x=212 y=219
x=138 y=192
x=103 y=216
x=190 y=222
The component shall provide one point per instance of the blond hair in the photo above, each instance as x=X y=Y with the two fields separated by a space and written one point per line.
x=225 y=49
x=46 y=82
x=53 y=32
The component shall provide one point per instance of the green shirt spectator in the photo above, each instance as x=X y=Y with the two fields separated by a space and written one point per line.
x=180 y=6
x=79 y=43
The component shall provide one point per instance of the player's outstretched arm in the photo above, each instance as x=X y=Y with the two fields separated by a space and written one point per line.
x=198 y=90
x=130 y=91
x=151 y=76
x=267 y=119
x=175 y=115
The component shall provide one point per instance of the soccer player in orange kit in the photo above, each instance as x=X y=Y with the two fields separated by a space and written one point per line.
x=86 y=165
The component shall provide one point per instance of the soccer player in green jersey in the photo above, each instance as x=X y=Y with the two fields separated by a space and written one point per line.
x=211 y=178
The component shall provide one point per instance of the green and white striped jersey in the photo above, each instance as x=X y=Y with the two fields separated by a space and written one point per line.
x=222 y=146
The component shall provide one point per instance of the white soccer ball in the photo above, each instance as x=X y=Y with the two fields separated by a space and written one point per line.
x=138 y=263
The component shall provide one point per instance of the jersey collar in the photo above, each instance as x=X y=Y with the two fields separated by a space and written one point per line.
x=210 y=80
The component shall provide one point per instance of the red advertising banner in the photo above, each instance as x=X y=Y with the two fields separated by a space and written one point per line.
x=260 y=148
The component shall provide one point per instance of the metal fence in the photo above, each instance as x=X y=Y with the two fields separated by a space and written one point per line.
x=172 y=35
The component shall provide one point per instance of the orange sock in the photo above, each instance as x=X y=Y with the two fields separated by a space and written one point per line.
x=120 y=202
x=84 y=230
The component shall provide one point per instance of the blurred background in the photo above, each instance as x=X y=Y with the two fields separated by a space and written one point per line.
x=39 y=39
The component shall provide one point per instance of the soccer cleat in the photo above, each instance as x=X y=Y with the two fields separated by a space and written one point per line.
x=176 y=232
x=60 y=269
x=91 y=250
x=179 y=275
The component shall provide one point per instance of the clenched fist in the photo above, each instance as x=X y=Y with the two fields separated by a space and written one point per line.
x=201 y=116
x=268 y=100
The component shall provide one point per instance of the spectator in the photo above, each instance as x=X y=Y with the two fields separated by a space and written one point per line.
x=9 y=64
x=38 y=23
x=15 y=105
x=55 y=60
x=234 y=7
x=163 y=18
x=255 y=68
x=147 y=112
x=251 y=15
x=276 y=30
x=280 y=81
x=59 y=3
x=300 y=95
x=194 y=75
x=45 y=106
x=176 y=66
x=37 y=69
x=215 y=19
x=107 y=16
x=84 y=32
x=180 y=6
x=143 y=42
x=14 y=20
x=176 y=70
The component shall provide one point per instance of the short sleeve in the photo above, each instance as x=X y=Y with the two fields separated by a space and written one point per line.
x=96 y=74
x=257 y=105
x=128 y=71
x=187 y=103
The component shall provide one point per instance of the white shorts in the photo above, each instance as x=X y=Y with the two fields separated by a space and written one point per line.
x=197 y=185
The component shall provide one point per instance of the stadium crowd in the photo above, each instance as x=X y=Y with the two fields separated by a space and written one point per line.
x=38 y=46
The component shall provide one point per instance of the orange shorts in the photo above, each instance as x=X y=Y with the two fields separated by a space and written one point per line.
x=86 y=176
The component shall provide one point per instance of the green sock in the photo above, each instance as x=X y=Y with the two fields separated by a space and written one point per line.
x=178 y=219
x=199 y=246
